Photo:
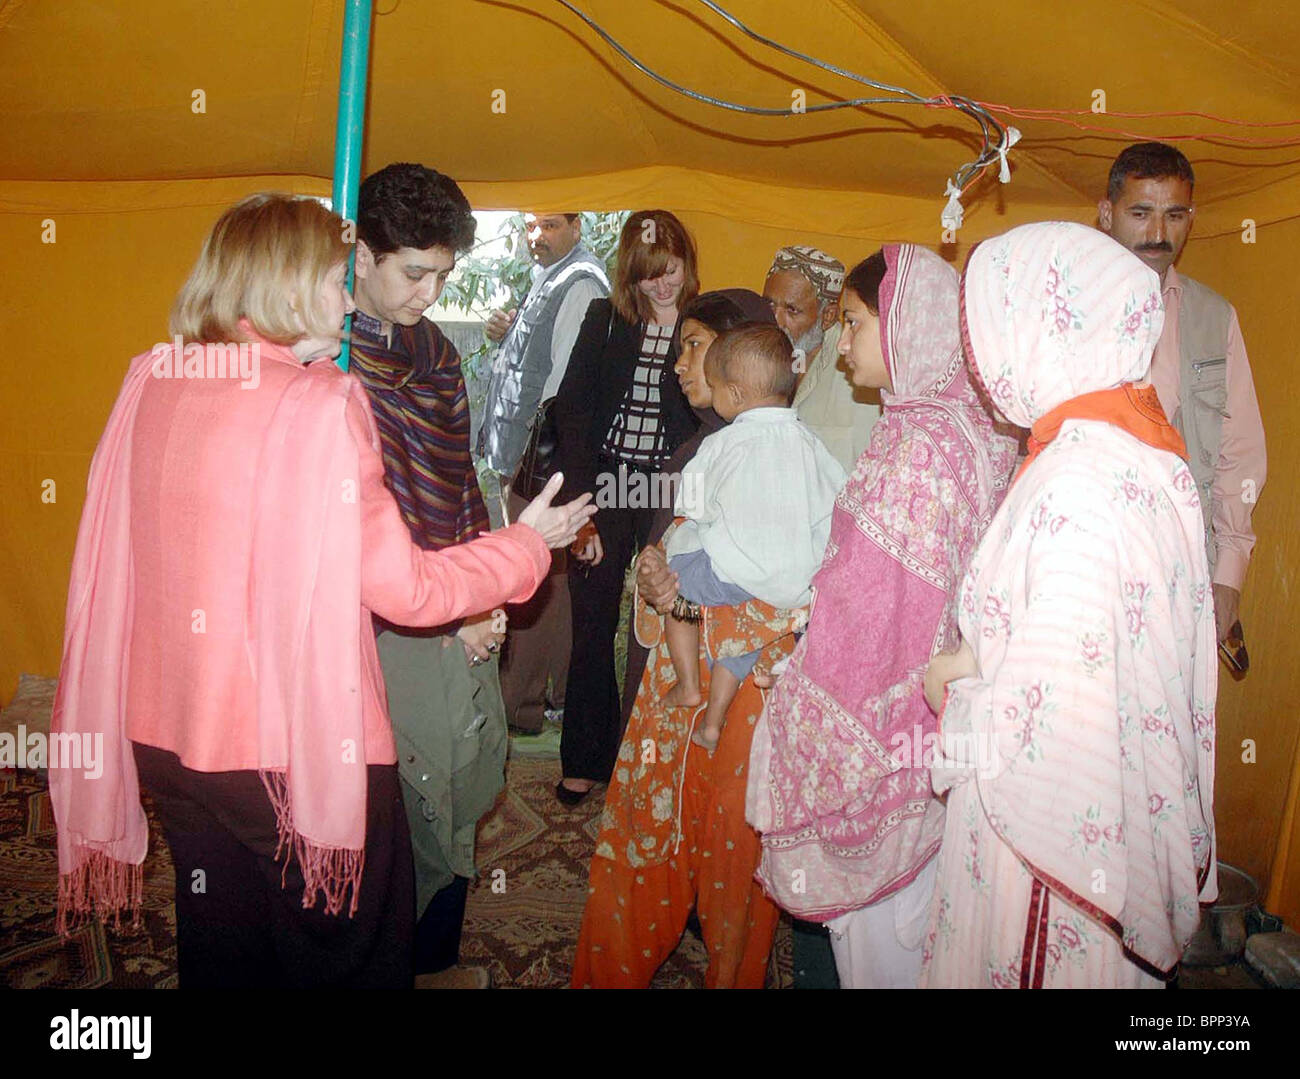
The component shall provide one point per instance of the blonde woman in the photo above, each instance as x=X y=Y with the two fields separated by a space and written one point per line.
x=236 y=538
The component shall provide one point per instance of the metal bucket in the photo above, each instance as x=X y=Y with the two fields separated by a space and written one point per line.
x=1221 y=938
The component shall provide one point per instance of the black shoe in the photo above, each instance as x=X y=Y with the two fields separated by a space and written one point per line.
x=570 y=797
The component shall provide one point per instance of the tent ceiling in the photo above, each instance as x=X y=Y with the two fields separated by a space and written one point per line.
x=103 y=90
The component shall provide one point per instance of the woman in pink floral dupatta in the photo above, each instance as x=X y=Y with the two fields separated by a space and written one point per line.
x=1075 y=854
x=838 y=786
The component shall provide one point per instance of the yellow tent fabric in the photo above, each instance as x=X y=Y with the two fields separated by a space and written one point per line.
x=126 y=126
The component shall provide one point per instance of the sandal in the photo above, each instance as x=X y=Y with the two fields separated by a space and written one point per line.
x=568 y=796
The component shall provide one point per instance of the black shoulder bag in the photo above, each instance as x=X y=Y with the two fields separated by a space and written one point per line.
x=537 y=465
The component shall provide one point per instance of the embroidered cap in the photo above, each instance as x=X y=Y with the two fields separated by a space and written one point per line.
x=824 y=273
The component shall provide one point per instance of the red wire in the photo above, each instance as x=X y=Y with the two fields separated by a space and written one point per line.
x=1236 y=140
x=1141 y=115
x=975 y=176
x=1060 y=116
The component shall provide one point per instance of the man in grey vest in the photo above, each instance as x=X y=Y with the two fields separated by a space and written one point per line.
x=533 y=354
x=1200 y=371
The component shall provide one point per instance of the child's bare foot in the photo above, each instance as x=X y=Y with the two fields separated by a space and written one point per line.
x=681 y=696
x=706 y=738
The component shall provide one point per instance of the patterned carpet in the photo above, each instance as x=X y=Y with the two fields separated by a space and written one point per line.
x=525 y=909
x=522 y=920
x=31 y=955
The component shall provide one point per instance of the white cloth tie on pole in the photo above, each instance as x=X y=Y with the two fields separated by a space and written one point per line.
x=952 y=213
x=1012 y=137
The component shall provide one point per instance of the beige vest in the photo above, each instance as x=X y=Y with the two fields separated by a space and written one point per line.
x=838 y=413
x=1203 y=321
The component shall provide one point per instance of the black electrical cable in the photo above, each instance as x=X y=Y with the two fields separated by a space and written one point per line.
x=995 y=137
x=992 y=145
x=758 y=110
x=761 y=39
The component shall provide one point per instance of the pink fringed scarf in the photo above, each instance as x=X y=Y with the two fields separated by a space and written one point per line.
x=304 y=623
x=837 y=787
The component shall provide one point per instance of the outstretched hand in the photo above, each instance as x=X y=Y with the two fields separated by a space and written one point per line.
x=557 y=525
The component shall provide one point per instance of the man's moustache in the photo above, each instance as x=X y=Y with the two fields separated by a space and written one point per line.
x=1167 y=248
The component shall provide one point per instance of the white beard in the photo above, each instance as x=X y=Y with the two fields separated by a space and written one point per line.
x=811 y=340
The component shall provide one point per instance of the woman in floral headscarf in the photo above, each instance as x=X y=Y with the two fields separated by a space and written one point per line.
x=1075 y=854
x=838 y=784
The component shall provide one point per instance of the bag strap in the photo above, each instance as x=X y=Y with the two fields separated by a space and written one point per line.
x=544 y=407
x=542 y=413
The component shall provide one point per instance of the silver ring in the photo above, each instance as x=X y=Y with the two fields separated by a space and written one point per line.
x=495 y=646
x=476 y=661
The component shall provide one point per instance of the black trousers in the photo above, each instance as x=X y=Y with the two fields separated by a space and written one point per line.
x=237 y=926
x=437 y=933
x=593 y=722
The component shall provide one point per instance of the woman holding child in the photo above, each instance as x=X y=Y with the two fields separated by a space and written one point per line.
x=673 y=834
x=839 y=785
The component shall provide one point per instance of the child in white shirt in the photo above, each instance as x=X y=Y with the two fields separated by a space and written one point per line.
x=757 y=499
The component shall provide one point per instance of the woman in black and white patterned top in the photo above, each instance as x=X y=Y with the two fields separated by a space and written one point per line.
x=620 y=414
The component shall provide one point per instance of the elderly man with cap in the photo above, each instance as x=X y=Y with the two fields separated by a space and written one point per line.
x=803 y=287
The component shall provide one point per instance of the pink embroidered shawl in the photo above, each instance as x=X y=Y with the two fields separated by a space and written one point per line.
x=1088 y=606
x=838 y=786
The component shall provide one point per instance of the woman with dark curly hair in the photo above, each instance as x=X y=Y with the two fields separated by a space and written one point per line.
x=444 y=693
x=703 y=321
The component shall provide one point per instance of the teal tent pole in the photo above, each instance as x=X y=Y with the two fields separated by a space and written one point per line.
x=353 y=66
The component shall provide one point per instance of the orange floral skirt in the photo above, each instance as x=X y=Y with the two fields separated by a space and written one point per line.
x=673 y=832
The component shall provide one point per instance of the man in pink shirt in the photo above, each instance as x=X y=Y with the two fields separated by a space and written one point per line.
x=1200 y=371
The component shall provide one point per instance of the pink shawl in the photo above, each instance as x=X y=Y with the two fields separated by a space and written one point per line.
x=1088 y=606
x=838 y=783
x=304 y=624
